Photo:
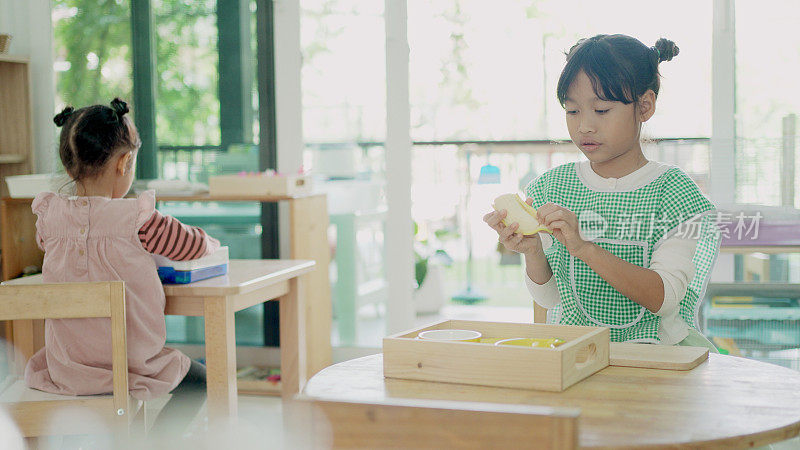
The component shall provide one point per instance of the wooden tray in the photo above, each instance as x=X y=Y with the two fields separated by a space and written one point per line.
x=585 y=352
x=671 y=357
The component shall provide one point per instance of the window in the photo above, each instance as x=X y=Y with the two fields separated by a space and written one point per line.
x=343 y=72
x=488 y=70
x=344 y=125
x=767 y=95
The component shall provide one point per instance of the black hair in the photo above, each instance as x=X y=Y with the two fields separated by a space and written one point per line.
x=620 y=67
x=90 y=136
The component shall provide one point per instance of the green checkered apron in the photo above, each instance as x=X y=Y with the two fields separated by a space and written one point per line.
x=629 y=225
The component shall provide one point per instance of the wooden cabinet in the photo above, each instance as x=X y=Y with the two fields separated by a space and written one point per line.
x=16 y=124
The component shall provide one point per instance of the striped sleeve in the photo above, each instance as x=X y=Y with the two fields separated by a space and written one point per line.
x=167 y=236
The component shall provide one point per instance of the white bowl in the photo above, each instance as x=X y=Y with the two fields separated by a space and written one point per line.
x=450 y=335
x=27 y=186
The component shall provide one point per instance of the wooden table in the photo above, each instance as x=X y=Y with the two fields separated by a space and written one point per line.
x=249 y=282
x=308 y=239
x=725 y=402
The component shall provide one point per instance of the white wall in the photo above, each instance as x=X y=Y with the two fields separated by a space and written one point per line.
x=30 y=25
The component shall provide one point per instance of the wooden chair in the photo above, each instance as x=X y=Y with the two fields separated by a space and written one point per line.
x=38 y=413
x=429 y=424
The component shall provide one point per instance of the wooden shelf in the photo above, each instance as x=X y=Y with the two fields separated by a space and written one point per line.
x=254 y=382
x=13 y=58
x=12 y=159
x=16 y=129
x=255 y=387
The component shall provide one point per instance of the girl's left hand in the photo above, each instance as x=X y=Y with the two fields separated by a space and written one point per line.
x=564 y=224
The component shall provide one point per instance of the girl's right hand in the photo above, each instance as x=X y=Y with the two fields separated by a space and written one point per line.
x=509 y=237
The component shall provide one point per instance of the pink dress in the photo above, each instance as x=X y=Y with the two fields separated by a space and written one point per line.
x=98 y=239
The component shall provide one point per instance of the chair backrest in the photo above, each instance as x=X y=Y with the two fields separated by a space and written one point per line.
x=406 y=423
x=66 y=301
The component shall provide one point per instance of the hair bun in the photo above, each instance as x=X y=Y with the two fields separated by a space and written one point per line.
x=119 y=107
x=666 y=49
x=61 y=118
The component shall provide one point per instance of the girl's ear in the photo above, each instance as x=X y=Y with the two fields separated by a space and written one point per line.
x=123 y=163
x=647 y=105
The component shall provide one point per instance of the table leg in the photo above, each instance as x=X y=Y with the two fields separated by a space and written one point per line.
x=24 y=344
x=220 y=357
x=539 y=313
x=293 y=339
x=308 y=218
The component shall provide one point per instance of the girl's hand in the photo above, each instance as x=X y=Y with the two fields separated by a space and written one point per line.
x=512 y=240
x=564 y=224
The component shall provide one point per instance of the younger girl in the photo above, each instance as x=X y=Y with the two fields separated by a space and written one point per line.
x=634 y=239
x=97 y=235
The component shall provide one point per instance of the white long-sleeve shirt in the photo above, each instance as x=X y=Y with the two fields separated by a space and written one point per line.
x=671 y=259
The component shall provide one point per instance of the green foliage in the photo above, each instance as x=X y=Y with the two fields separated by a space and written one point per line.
x=424 y=253
x=420 y=268
x=187 y=106
x=94 y=37
x=446 y=233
